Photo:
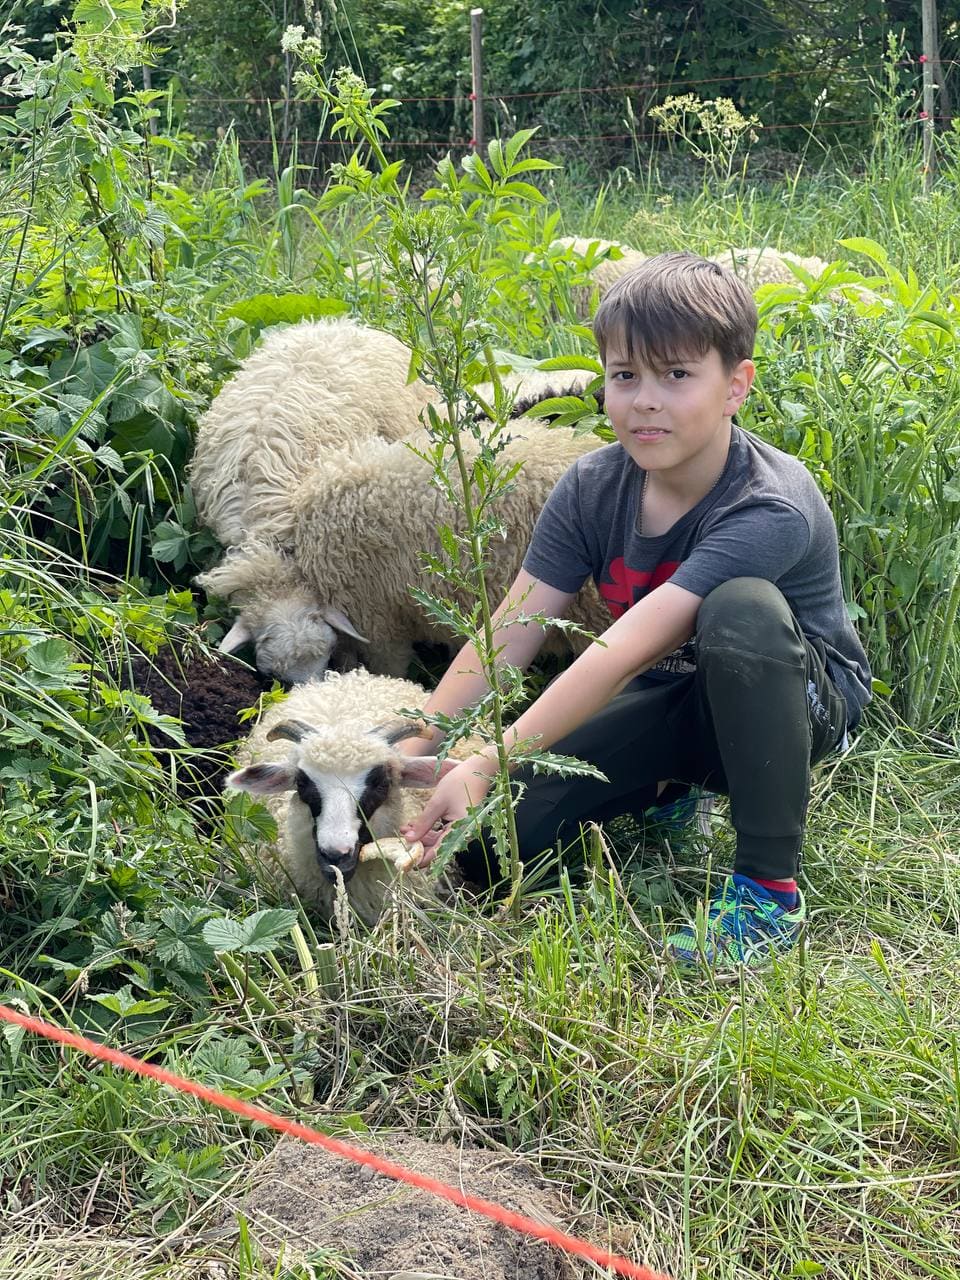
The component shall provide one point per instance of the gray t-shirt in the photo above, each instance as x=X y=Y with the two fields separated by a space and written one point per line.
x=765 y=518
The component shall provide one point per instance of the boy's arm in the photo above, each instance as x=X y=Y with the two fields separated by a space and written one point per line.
x=464 y=683
x=651 y=629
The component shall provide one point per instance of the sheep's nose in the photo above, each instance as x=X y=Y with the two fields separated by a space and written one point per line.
x=336 y=858
x=335 y=851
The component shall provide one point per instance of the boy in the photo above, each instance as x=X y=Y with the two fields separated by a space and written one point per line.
x=731 y=662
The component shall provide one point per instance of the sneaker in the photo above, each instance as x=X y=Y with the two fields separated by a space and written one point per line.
x=745 y=926
x=678 y=817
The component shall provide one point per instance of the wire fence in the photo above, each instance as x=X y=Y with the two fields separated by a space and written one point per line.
x=294 y=125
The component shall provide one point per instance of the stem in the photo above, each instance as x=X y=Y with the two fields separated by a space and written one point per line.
x=251 y=989
x=947 y=642
x=487 y=655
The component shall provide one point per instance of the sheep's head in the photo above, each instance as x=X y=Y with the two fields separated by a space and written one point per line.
x=344 y=785
x=292 y=635
x=292 y=632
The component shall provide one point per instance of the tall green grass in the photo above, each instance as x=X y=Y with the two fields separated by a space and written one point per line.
x=799 y=1124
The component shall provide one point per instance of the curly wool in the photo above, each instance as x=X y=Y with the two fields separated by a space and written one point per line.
x=365 y=519
x=346 y=710
x=308 y=388
x=767 y=266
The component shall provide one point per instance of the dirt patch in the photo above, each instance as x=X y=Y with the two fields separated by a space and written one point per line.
x=207 y=693
x=305 y=1199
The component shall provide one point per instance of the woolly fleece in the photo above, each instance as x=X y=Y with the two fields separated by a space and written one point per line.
x=365 y=517
x=347 y=710
x=309 y=388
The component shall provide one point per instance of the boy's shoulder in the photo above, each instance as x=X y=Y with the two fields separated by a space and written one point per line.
x=762 y=471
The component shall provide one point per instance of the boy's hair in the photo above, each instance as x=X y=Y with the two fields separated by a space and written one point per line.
x=678 y=305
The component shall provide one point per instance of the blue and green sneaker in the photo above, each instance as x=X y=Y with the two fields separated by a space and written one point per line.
x=745 y=926
x=679 y=817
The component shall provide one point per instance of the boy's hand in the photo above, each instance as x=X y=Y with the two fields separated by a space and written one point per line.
x=462 y=788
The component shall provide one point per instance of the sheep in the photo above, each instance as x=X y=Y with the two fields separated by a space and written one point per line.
x=278 y=612
x=363 y=524
x=767 y=265
x=308 y=388
x=324 y=761
x=294 y=630
x=604 y=273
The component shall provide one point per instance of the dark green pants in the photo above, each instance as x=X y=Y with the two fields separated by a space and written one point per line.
x=758 y=711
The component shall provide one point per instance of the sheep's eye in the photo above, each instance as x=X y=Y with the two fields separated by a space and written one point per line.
x=308 y=792
x=375 y=791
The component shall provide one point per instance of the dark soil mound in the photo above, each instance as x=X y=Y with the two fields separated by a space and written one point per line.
x=304 y=1200
x=207 y=693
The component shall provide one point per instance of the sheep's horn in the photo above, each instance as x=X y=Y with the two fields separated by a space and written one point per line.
x=396 y=730
x=293 y=730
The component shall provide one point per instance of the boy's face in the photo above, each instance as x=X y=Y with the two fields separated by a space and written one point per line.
x=670 y=415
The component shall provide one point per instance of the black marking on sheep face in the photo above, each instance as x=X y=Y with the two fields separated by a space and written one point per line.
x=374 y=794
x=375 y=789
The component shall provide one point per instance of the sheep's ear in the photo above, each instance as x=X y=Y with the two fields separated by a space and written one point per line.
x=422 y=771
x=340 y=622
x=263 y=779
x=238 y=635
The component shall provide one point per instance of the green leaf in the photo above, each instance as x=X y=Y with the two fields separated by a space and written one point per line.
x=935 y=318
x=225 y=934
x=557 y=404
x=259 y=932
x=246 y=819
x=869 y=248
x=169 y=542
x=806 y=1268
x=524 y=190
x=265 y=309
x=49 y=657
x=571 y=362
x=125 y=1004
x=180 y=943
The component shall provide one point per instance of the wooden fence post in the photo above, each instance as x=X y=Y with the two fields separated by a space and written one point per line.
x=476 y=62
x=930 y=60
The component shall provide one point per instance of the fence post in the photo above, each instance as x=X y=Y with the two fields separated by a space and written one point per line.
x=930 y=60
x=476 y=63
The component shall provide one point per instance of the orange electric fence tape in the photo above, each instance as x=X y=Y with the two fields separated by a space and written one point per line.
x=570 y=1244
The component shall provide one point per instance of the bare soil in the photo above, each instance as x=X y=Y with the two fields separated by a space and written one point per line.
x=307 y=1200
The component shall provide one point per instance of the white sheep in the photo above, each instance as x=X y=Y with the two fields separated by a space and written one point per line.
x=604 y=273
x=281 y=606
x=365 y=519
x=767 y=265
x=308 y=388
x=324 y=760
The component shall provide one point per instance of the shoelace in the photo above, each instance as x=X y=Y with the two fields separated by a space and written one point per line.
x=735 y=908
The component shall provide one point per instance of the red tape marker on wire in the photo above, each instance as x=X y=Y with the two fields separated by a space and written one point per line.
x=506 y=1217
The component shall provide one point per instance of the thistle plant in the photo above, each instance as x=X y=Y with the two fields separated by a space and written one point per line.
x=440 y=264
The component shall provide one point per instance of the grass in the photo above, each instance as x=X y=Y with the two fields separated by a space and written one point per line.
x=802 y=1123
x=807 y=1119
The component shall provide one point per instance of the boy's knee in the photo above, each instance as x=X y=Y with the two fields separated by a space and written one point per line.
x=748 y=615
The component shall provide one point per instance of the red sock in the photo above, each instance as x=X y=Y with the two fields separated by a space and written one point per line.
x=784 y=891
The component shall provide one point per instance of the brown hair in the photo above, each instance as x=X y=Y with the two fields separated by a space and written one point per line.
x=676 y=305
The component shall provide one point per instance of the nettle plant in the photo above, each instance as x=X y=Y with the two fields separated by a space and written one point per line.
x=446 y=262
